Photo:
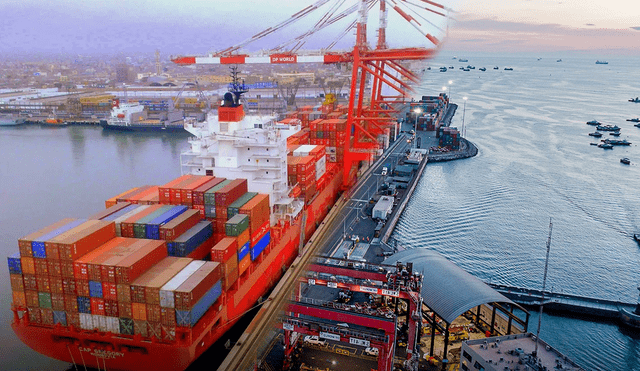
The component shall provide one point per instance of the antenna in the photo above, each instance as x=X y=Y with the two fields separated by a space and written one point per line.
x=544 y=285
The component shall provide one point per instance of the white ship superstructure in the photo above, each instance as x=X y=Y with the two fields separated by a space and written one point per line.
x=231 y=145
x=124 y=114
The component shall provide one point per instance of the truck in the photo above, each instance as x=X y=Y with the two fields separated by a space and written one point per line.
x=383 y=208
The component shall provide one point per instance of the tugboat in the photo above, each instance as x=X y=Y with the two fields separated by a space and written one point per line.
x=634 y=120
x=593 y=122
x=631 y=319
x=626 y=161
x=634 y=100
x=596 y=134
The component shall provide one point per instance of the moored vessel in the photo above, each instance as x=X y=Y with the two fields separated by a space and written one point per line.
x=127 y=116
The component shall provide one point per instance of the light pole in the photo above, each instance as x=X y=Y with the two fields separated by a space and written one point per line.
x=464 y=110
x=450 y=89
x=415 y=126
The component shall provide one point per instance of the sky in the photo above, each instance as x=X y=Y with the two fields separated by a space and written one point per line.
x=201 y=26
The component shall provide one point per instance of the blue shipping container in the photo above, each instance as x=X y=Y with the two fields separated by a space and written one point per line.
x=60 y=317
x=15 y=264
x=84 y=304
x=153 y=227
x=192 y=238
x=120 y=213
x=243 y=251
x=188 y=318
x=38 y=246
x=260 y=245
x=95 y=289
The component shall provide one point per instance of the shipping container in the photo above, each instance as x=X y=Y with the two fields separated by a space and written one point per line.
x=17 y=282
x=166 y=291
x=72 y=245
x=187 y=242
x=32 y=299
x=230 y=273
x=153 y=227
x=30 y=282
x=140 y=226
x=129 y=214
x=25 y=243
x=126 y=326
x=15 y=264
x=186 y=190
x=210 y=195
x=189 y=318
x=197 y=285
x=132 y=194
x=237 y=225
x=146 y=197
x=126 y=225
x=231 y=192
x=198 y=193
x=258 y=248
x=146 y=288
x=258 y=210
x=89 y=266
x=203 y=252
x=44 y=298
x=113 y=200
x=234 y=208
x=179 y=224
x=224 y=250
x=164 y=190
x=38 y=246
x=117 y=209
x=137 y=263
x=28 y=265
x=84 y=304
x=175 y=192
x=59 y=317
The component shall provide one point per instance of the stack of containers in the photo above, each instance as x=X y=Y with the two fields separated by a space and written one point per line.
x=301 y=137
x=140 y=225
x=198 y=194
x=332 y=134
x=197 y=294
x=258 y=211
x=179 y=225
x=224 y=197
x=120 y=218
x=225 y=252
x=209 y=199
x=190 y=243
x=145 y=301
x=164 y=192
x=234 y=208
x=239 y=226
x=118 y=209
x=167 y=295
x=187 y=190
x=147 y=193
x=152 y=228
x=305 y=173
x=127 y=226
x=449 y=137
x=113 y=200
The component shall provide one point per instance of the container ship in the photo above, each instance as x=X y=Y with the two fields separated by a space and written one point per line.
x=133 y=116
x=164 y=271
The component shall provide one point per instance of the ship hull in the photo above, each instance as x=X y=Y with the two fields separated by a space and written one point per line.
x=145 y=128
x=119 y=352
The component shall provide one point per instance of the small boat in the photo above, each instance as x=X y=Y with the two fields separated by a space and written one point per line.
x=508 y=69
x=634 y=100
x=451 y=67
x=615 y=133
x=593 y=144
x=443 y=69
x=634 y=120
x=636 y=237
x=605 y=146
x=625 y=161
x=462 y=60
x=637 y=125
x=596 y=134
x=482 y=69
x=466 y=69
x=559 y=60
x=602 y=62
x=608 y=128
x=593 y=122
x=496 y=68
x=616 y=142
x=539 y=59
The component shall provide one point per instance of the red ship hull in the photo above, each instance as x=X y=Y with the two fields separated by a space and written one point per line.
x=120 y=352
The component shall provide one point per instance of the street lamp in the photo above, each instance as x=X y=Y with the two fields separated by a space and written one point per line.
x=464 y=110
x=418 y=111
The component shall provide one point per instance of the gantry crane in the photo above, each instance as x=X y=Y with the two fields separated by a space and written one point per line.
x=380 y=66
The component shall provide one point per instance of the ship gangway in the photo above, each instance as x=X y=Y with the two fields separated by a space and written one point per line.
x=564 y=303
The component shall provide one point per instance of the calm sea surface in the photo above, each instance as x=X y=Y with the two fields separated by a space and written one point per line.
x=489 y=214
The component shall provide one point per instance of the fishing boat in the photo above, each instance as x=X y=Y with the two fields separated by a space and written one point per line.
x=615 y=133
x=496 y=68
x=625 y=161
x=634 y=120
x=634 y=100
x=605 y=146
x=601 y=62
x=593 y=122
x=608 y=127
x=508 y=69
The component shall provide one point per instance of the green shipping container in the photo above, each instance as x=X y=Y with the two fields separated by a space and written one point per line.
x=234 y=208
x=140 y=226
x=236 y=225
x=210 y=195
x=45 y=299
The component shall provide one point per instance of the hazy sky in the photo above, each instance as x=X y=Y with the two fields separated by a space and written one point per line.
x=199 y=26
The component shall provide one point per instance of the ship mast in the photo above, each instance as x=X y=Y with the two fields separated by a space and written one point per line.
x=544 y=285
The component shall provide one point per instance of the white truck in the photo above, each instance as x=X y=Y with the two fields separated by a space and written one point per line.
x=383 y=208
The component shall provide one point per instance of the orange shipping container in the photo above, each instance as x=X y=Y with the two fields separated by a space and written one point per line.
x=258 y=210
x=30 y=282
x=24 y=243
x=71 y=246
x=107 y=266
x=164 y=192
x=136 y=264
x=139 y=311
x=244 y=264
x=81 y=266
x=186 y=191
x=17 y=282
x=28 y=265
x=19 y=299
x=113 y=200
x=132 y=193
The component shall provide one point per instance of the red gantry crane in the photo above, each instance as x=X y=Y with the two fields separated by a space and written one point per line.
x=380 y=66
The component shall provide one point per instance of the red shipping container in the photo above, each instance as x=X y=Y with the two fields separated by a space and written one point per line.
x=82 y=242
x=54 y=267
x=42 y=268
x=88 y=267
x=258 y=210
x=43 y=283
x=124 y=293
x=19 y=299
x=17 y=282
x=24 y=243
x=219 y=225
x=180 y=224
x=30 y=282
x=221 y=213
x=244 y=237
x=200 y=209
x=136 y=264
x=57 y=302
x=144 y=197
x=47 y=316
x=28 y=265
x=153 y=313
x=186 y=191
x=198 y=284
x=224 y=249
x=109 y=291
x=139 y=311
x=203 y=251
x=66 y=268
x=152 y=198
x=69 y=286
x=168 y=317
x=32 y=299
x=231 y=192
x=126 y=226
x=259 y=233
x=123 y=197
x=73 y=320
x=230 y=273
x=111 y=308
x=175 y=194
x=56 y=285
x=117 y=255
x=198 y=193
x=82 y=288
x=125 y=310
x=70 y=304
x=164 y=190
x=146 y=288
x=114 y=200
x=97 y=306
x=244 y=264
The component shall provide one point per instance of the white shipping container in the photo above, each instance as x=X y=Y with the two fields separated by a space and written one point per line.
x=304 y=150
x=86 y=321
x=333 y=158
x=126 y=216
x=321 y=167
x=167 y=291
x=331 y=150
x=113 y=325
x=100 y=322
